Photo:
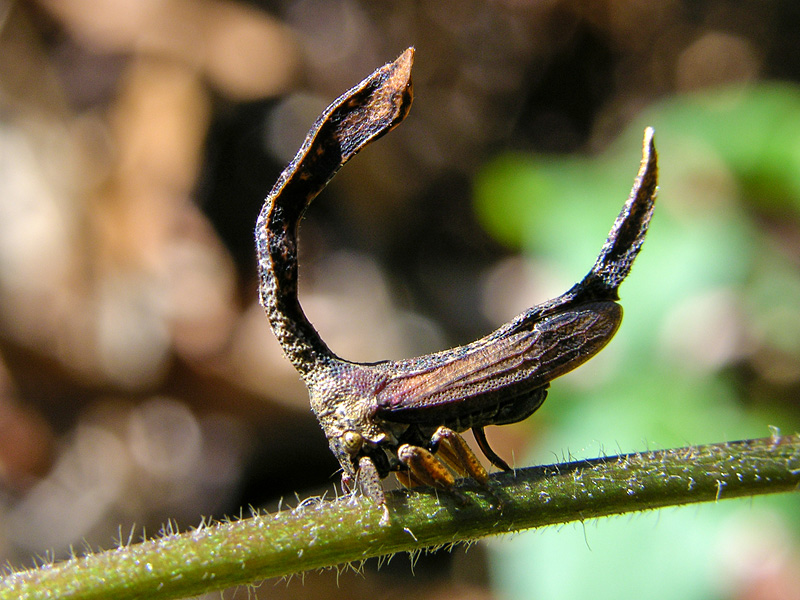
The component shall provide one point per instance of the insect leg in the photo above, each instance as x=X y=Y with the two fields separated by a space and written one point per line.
x=407 y=479
x=368 y=481
x=483 y=444
x=425 y=467
x=453 y=449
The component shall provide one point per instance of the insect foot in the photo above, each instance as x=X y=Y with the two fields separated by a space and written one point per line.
x=406 y=417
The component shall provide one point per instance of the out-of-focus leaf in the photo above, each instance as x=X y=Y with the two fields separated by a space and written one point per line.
x=707 y=283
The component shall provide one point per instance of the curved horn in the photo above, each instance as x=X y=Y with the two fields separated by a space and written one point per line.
x=358 y=117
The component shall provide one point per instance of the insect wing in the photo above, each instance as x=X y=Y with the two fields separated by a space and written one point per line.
x=499 y=368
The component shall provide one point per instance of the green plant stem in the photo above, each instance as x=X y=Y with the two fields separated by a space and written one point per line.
x=326 y=533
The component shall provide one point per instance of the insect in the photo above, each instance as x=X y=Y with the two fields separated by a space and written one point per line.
x=406 y=417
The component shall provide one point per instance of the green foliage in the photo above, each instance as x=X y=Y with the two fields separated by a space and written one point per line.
x=714 y=300
x=319 y=534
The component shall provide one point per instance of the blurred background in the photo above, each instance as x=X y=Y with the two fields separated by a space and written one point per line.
x=139 y=379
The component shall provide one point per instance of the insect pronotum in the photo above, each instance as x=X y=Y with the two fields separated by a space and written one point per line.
x=406 y=416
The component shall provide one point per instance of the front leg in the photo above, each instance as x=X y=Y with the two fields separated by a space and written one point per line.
x=367 y=481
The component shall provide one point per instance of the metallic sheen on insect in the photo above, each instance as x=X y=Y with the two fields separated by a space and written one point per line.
x=406 y=417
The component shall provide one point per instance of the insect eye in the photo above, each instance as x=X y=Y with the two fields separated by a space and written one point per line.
x=352 y=441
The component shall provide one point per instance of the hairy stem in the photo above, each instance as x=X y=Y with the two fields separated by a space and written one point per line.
x=325 y=533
